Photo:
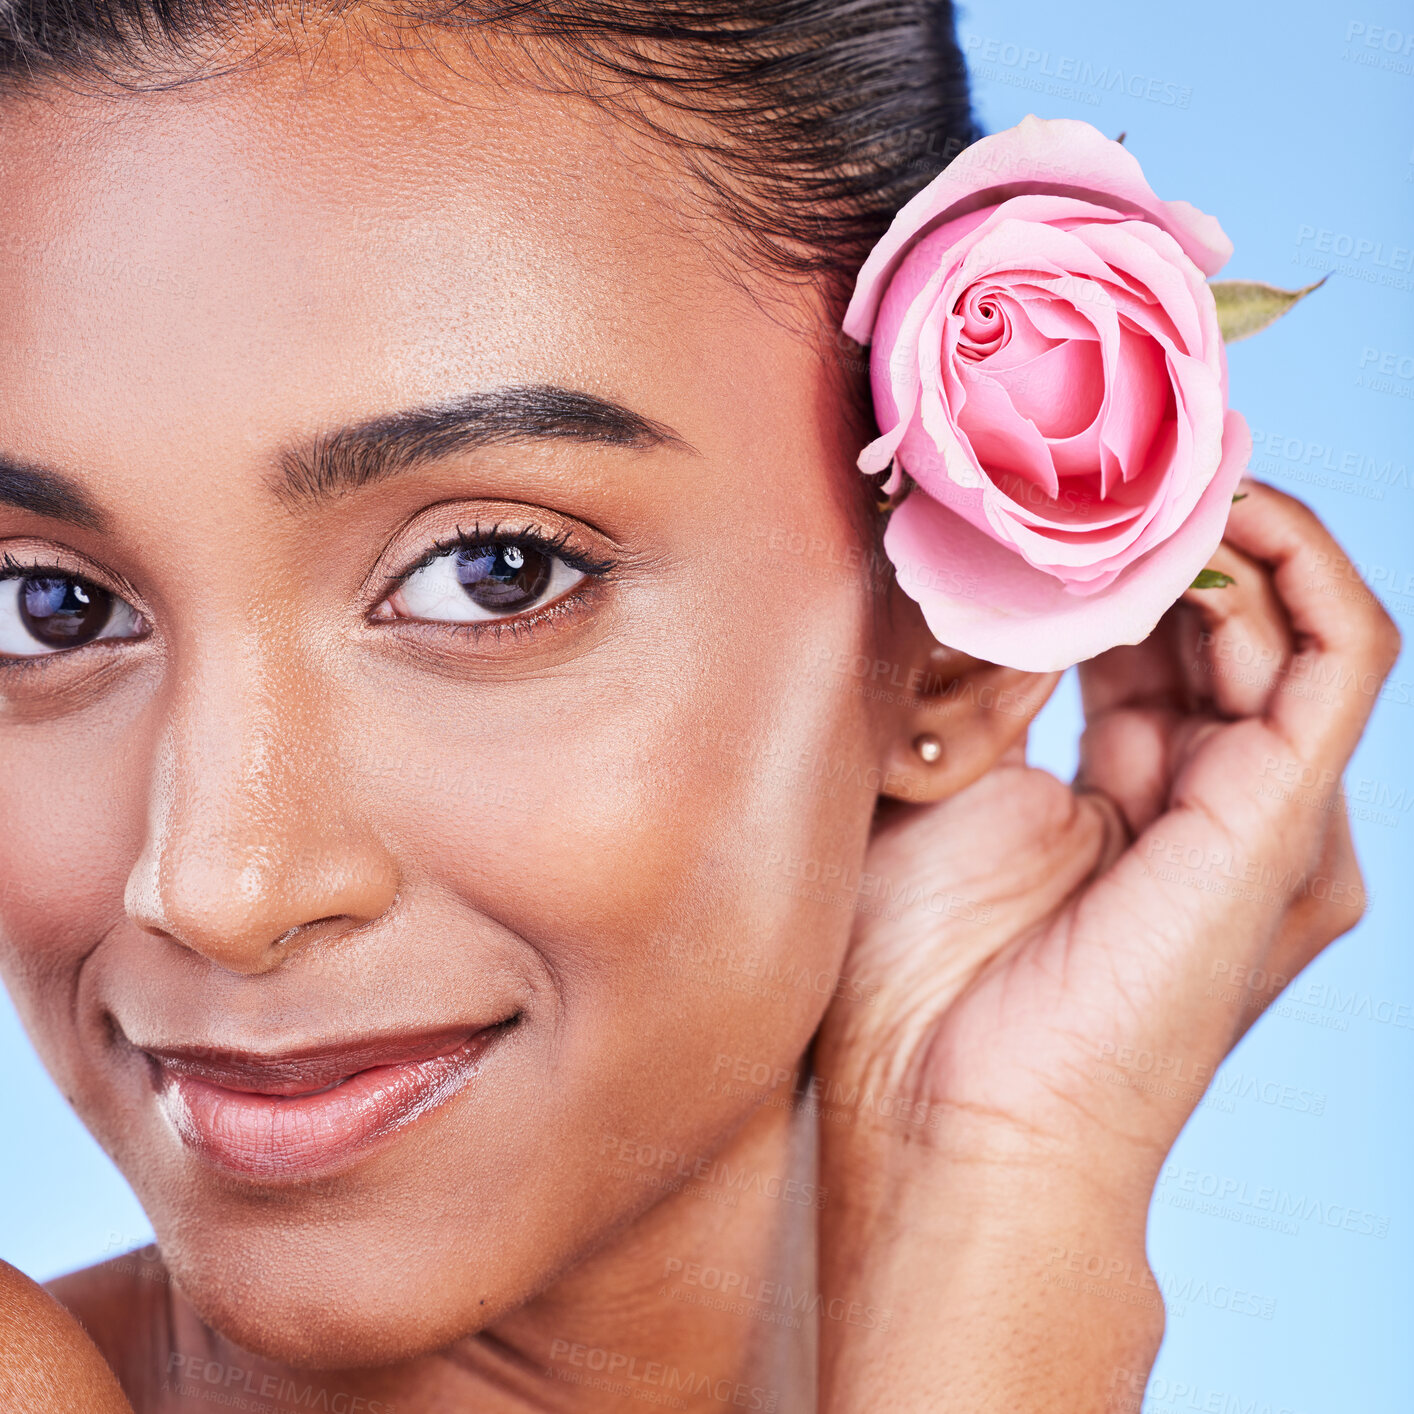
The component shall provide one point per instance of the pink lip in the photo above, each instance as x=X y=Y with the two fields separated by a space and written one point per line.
x=298 y=1116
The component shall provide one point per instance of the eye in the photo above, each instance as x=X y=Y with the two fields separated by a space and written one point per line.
x=472 y=583
x=45 y=611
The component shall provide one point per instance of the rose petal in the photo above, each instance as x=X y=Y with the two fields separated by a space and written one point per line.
x=1062 y=157
x=1001 y=440
x=981 y=598
x=1059 y=390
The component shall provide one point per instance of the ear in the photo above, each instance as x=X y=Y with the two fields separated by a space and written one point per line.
x=950 y=718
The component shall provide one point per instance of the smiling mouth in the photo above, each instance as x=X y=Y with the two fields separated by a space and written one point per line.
x=303 y=1115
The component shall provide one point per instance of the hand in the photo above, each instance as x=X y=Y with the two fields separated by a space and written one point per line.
x=1059 y=1028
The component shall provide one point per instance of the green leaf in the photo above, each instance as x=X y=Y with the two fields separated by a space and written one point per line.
x=1212 y=579
x=1246 y=307
x=1241 y=496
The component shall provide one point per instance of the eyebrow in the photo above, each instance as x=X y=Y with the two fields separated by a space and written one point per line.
x=351 y=458
x=46 y=493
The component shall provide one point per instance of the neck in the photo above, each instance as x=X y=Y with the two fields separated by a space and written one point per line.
x=707 y=1301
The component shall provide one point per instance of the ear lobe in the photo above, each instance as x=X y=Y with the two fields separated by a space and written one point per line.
x=974 y=711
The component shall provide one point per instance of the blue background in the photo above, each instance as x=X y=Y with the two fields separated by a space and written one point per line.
x=1286 y=123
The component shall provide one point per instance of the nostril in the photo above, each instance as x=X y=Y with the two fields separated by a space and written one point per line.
x=249 y=906
x=304 y=929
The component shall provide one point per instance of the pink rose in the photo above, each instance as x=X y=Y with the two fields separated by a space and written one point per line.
x=1047 y=367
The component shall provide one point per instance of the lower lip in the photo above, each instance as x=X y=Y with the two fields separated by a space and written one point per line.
x=297 y=1136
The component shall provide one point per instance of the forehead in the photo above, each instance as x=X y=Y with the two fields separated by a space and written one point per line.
x=288 y=250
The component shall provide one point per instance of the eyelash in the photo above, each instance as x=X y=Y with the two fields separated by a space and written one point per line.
x=11 y=568
x=476 y=538
x=561 y=545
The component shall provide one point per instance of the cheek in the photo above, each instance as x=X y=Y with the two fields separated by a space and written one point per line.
x=632 y=847
x=73 y=801
x=647 y=842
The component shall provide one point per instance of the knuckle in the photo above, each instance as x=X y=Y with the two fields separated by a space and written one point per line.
x=1304 y=521
x=1328 y=924
x=1339 y=921
x=1346 y=915
x=1379 y=637
x=1308 y=522
x=1391 y=640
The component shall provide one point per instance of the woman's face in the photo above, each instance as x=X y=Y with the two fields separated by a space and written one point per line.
x=415 y=718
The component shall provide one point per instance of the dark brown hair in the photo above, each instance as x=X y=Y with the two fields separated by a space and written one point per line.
x=809 y=122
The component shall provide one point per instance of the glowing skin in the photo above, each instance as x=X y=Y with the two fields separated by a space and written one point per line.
x=285 y=820
x=404 y=958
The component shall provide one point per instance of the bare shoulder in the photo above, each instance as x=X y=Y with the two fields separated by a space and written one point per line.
x=125 y=1307
x=48 y=1364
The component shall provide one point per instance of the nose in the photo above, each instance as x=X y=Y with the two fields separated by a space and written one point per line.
x=253 y=849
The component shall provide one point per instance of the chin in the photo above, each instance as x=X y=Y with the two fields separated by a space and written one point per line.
x=361 y=1310
x=422 y=1243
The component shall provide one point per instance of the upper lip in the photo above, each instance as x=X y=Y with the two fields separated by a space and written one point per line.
x=309 y=1068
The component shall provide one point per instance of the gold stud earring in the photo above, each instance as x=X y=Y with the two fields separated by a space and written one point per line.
x=929 y=748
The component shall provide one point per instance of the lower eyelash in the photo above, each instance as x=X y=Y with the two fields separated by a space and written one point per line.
x=516 y=626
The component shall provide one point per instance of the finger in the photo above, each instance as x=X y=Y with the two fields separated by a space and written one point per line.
x=1217 y=654
x=1015 y=754
x=1345 y=642
x=1147 y=674
x=1242 y=640
x=1116 y=833
x=1130 y=757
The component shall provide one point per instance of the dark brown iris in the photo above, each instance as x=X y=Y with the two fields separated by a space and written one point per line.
x=504 y=578
x=63 y=613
